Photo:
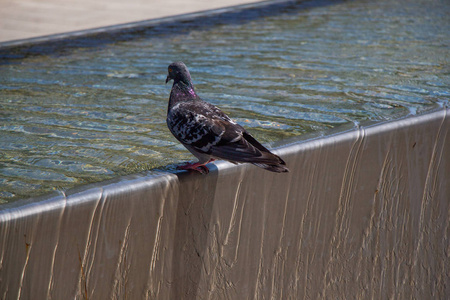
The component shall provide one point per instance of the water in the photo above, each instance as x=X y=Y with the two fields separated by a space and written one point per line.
x=92 y=113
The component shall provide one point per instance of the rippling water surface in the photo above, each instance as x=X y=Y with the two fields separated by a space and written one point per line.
x=93 y=113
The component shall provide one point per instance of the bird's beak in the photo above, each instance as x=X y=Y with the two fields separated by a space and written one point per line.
x=168 y=78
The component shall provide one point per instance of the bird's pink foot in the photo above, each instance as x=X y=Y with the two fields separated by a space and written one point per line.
x=195 y=167
x=199 y=167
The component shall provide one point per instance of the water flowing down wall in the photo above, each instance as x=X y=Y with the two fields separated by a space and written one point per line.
x=363 y=214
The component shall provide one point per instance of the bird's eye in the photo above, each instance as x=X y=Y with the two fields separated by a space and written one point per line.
x=170 y=70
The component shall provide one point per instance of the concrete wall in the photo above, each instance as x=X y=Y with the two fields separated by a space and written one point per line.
x=362 y=214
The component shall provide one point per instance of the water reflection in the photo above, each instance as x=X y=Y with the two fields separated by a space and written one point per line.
x=94 y=113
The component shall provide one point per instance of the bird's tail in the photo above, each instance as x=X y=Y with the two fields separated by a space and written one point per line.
x=267 y=160
x=273 y=168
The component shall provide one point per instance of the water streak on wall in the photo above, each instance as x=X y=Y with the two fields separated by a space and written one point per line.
x=362 y=214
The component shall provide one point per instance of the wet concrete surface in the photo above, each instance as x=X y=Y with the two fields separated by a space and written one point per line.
x=363 y=214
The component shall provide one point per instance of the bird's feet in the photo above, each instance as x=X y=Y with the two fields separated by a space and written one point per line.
x=199 y=167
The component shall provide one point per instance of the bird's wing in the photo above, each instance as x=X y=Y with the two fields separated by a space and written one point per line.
x=201 y=125
x=245 y=149
x=208 y=130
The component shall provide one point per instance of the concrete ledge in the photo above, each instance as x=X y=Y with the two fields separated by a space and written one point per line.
x=32 y=18
x=362 y=214
x=122 y=31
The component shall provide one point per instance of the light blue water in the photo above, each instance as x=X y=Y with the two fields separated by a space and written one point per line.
x=89 y=114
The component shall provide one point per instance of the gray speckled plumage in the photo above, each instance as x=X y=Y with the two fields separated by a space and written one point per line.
x=207 y=132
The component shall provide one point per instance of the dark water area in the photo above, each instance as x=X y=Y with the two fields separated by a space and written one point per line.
x=89 y=113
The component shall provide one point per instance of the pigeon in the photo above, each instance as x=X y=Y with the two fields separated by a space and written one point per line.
x=207 y=132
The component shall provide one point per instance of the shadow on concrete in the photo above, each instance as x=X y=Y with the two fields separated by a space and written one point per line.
x=195 y=204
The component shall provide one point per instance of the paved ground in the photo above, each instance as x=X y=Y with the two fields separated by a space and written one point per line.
x=21 y=19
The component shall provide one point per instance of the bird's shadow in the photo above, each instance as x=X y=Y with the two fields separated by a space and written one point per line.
x=194 y=210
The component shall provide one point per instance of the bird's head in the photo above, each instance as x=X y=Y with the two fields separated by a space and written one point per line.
x=179 y=72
